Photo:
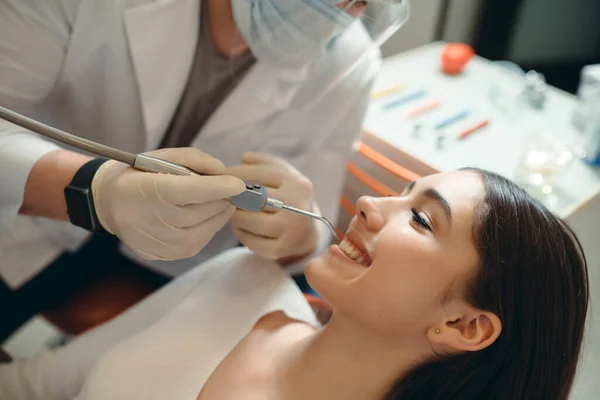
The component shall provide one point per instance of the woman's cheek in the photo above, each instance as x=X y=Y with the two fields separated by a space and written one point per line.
x=404 y=243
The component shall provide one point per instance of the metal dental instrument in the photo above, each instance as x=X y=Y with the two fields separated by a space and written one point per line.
x=255 y=198
x=276 y=204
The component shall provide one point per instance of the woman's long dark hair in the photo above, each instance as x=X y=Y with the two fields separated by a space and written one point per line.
x=533 y=276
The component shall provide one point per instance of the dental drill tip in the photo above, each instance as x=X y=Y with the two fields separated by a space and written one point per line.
x=334 y=232
x=315 y=216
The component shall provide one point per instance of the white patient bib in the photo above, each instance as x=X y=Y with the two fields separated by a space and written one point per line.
x=174 y=358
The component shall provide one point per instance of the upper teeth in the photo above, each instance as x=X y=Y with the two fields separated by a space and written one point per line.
x=353 y=252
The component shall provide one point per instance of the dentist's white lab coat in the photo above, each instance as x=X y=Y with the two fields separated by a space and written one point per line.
x=113 y=71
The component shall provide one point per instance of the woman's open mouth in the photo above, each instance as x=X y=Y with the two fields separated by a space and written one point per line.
x=352 y=251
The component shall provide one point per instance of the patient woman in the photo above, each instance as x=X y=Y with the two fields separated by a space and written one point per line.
x=463 y=287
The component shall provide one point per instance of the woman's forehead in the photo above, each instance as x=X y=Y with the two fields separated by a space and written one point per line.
x=458 y=187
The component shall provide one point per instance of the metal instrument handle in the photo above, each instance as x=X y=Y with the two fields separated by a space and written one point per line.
x=276 y=204
x=254 y=198
x=152 y=164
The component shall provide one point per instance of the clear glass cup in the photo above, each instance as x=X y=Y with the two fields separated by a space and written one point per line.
x=544 y=158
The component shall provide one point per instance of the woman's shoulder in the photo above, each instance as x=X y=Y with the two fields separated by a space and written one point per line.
x=279 y=320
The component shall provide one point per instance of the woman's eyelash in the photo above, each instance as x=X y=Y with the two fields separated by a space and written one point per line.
x=420 y=220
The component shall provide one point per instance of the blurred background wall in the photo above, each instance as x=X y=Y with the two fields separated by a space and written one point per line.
x=554 y=37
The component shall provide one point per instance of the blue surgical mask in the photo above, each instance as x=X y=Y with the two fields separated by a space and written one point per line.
x=289 y=33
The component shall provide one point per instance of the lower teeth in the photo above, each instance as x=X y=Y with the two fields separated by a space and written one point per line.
x=350 y=257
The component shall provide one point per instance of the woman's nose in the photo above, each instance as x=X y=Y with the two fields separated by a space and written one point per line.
x=369 y=213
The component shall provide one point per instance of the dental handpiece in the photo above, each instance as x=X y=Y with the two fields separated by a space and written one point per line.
x=255 y=198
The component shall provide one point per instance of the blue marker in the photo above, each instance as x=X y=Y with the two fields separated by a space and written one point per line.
x=405 y=99
x=449 y=121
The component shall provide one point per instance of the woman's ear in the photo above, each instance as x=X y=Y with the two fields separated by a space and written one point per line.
x=472 y=330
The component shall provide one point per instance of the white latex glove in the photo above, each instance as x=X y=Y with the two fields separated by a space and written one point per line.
x=162 y=216
x=276 y=235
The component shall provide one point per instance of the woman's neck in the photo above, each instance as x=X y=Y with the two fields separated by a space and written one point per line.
x=223 y=29
x=341 y=362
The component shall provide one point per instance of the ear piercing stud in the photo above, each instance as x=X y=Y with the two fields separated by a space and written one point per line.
x=437 y=330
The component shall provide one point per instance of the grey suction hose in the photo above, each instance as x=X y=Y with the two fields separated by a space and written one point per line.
x=67 y=138
x=138 y=161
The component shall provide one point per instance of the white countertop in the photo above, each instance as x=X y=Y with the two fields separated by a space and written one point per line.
x=497 y=147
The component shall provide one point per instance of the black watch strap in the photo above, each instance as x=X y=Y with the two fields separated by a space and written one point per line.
x=80 y=202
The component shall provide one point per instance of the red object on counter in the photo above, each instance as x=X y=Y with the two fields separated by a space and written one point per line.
x=474 y=129
x=455 y=56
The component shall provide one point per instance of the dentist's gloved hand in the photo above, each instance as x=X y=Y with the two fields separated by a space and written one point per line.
x=162 y=216
x=276 y=235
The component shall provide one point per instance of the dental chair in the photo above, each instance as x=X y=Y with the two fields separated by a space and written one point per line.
x=103 y=295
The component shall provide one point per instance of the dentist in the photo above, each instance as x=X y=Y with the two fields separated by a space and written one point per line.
x=274 y=89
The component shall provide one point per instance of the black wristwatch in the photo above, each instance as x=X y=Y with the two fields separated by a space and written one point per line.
x=80 y=202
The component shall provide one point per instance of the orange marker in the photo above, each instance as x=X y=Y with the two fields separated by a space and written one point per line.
x=422 y=110
x=474 y=129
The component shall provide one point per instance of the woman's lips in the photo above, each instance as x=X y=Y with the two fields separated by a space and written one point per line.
x=351 y=252
x=357 y=242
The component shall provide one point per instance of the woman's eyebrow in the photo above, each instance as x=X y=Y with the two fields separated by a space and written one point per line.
x=434 y=195
x=441 y=200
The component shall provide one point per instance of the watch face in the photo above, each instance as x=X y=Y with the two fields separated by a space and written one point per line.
x=79 y=207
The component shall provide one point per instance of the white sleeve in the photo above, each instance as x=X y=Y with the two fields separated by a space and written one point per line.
x=34 y=36
x=60 y=374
